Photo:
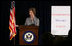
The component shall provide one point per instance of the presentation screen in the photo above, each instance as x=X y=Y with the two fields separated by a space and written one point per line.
x=60 y=20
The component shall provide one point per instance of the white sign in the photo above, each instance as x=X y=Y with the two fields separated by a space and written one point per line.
x=60 y=20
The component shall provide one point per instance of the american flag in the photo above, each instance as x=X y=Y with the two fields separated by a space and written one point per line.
x=12 y=22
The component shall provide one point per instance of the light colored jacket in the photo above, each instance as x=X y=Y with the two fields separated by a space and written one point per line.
x=30 y=22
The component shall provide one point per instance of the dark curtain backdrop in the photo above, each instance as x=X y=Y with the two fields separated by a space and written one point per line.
x=43 y=9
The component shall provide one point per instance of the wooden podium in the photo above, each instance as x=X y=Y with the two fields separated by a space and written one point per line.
x=23 y=29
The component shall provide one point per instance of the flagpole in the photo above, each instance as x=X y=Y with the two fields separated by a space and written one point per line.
x=13 y=5
x=14 y=40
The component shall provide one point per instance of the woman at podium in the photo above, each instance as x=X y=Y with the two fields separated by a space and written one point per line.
x=32 y=20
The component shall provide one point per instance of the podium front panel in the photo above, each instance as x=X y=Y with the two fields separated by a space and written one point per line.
x=24 y=31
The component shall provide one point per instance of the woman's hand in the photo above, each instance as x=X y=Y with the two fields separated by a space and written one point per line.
x=17 y=25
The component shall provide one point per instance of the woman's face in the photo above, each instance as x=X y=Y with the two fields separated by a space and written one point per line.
x=31 y=13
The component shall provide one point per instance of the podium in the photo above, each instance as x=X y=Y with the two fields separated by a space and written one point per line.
x=28 y=35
